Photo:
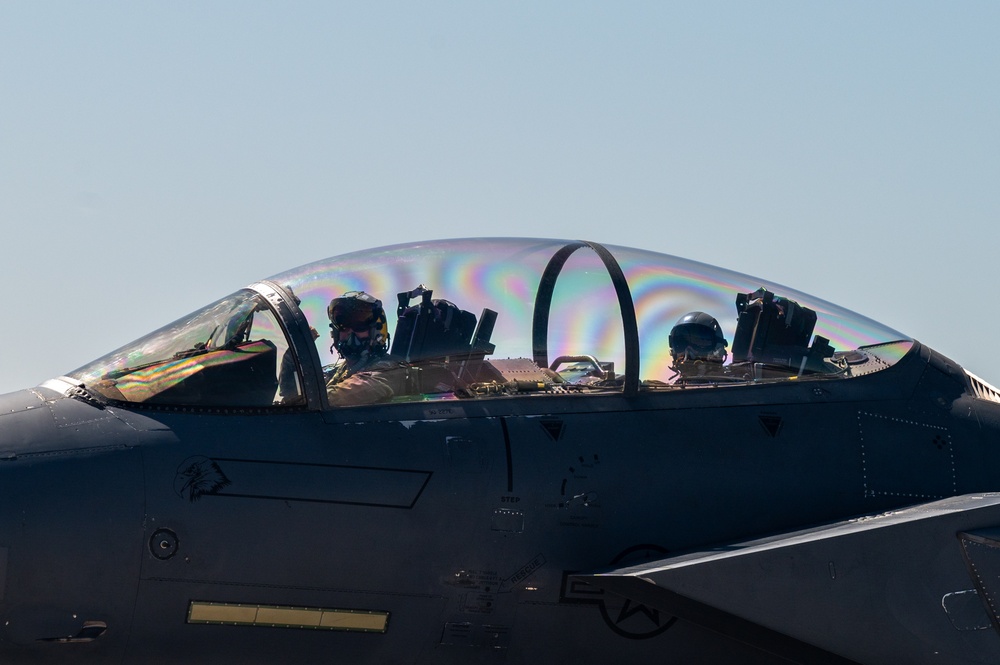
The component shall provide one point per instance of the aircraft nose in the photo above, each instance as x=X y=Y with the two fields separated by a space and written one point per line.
x=22 y=417
x=20 y=400
x=71 y=486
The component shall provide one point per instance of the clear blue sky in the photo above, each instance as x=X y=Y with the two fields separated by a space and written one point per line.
x=157 y=156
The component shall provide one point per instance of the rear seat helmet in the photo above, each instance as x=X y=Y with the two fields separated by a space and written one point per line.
x=698 y=336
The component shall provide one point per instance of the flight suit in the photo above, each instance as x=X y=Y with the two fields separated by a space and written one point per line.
x=371 y=381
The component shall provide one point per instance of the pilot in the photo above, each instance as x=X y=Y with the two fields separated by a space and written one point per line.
x=366 y=373
x=698 y=346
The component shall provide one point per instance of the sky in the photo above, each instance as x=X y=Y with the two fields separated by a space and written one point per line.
x=157 y=156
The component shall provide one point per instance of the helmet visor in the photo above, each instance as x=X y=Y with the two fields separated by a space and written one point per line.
x=695 y=341
x=699 y=337
x=355 y=318
x=353 y=311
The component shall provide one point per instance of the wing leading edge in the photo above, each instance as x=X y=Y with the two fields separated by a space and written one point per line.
x=918 y=585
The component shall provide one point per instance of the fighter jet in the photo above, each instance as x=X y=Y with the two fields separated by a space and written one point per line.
x=505 y=451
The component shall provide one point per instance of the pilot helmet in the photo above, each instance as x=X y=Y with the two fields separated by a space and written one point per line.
x=358 y=312
x=697 y=336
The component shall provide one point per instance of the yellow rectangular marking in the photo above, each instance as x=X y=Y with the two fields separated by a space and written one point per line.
x=287 y=616
x=221 y=613
x=279 y=616
x=341 y=620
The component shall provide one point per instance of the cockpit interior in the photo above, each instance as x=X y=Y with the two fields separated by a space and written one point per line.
x=499 y=318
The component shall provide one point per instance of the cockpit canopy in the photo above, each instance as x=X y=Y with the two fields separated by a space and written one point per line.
x=492 y=319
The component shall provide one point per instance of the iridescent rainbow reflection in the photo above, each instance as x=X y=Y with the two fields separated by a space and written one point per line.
x=499 y=274
x=664 y=288
x=503 y=274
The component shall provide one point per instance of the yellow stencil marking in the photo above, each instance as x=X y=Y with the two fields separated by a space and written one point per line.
x=278 y=616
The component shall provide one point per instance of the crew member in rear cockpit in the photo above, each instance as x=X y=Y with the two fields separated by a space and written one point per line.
x=697 y=346
x=366 y=373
